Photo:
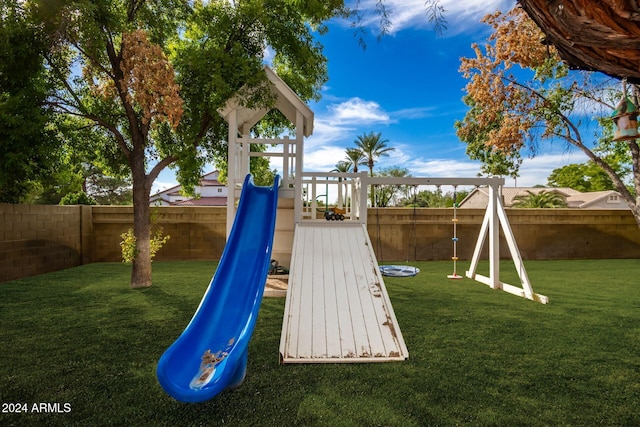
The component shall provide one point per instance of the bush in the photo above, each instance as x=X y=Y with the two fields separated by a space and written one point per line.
x=78 y=198
x=128 y=244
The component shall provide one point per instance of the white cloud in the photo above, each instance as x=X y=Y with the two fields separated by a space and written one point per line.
x=444 y=168
x=268 y=55
x=323 y=159
x=326 y=133
x=533 y=171
x=356 y=110
x=414 y=113
x=413 y=13
x=335 y=128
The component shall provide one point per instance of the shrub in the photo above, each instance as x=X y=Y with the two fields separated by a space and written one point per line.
x=128 y=244
x=78 y=198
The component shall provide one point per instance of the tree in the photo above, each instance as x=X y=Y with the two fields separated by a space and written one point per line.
x=355 y=157
x=494 y=161
x=512 y=113
x=388 y=194
x=151 y=76
x=108 y=190
x=434 y=199
x=372 y=146
x=582 y=177
x=77 y=170
x=342 y=166
x=78 y=198
x=594 y=35
x=542 y=199
x=433 y=10
x=28 y=147
x=259 y=167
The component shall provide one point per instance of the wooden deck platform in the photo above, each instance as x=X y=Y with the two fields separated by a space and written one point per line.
x=337 y=309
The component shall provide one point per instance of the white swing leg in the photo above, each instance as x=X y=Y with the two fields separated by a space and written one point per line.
x=495 y=216
x=471 y=273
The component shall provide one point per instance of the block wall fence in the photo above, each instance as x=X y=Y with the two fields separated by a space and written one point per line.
x=36 y=239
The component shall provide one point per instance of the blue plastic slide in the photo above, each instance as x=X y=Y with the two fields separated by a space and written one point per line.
x=211 y=353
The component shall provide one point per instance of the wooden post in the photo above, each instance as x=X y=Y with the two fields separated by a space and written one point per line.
x=494 y=237
x=232 y=165
x=297 y=205
x=362 y=196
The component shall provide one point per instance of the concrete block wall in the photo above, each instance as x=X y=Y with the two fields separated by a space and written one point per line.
x=196 y=232
x=425 y=234
x=399 y=234
x=39 y=239
x=575 y=233
x=36 y=239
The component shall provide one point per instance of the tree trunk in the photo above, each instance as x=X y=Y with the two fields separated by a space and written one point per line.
x=373 y=188
x=141 y=271
x=636 y=211
x=591 y=35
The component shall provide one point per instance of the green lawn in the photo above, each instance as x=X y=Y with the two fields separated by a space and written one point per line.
x=82 y=339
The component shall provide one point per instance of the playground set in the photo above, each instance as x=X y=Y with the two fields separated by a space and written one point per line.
x=337 y=309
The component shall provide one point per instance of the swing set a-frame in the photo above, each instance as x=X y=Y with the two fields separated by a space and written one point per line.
x=495 y=219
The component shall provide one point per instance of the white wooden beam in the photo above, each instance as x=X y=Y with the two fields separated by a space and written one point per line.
x=378 y=180
x=475 y=259
x=494 y=237
x=232 y=165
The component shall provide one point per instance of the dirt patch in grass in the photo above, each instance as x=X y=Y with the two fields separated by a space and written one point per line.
x=276 y=285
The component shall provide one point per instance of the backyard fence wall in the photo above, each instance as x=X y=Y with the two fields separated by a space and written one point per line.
x=36 y=239
x=425 y=234
x=196 y=232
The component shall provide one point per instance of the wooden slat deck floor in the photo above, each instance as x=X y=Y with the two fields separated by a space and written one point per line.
x=337 y=308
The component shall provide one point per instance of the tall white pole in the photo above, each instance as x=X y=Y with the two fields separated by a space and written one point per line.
x=232 y=159
x=297 y=205
x=494 y=237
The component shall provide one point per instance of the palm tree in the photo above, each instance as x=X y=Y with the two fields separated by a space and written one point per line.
x=542 y=199
x=342 y=166
x=373 y=147
x=355 y=158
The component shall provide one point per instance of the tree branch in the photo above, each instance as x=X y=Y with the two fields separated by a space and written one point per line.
x=95 y=63
x=115 y=60
x=615 y=179
x=159 y=167
x=78 y=102
x=568 y=123
x=133 y=8
x=205 y=123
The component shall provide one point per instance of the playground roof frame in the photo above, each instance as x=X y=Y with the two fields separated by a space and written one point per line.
x=491 y=181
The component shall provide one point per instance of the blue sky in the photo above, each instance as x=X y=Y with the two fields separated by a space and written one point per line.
x=406 y=85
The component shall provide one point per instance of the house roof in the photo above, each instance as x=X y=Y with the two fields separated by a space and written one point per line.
x=168 y=192
x=204 y=201
x=207 y=180
x=210 y=183
x=287 y=102
x=510 y=193
x=584 y=200
x=574 y=198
